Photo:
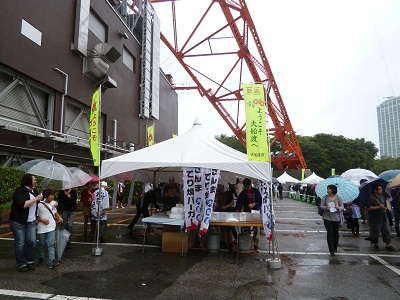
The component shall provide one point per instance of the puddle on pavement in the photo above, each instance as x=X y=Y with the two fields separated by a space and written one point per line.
x=294 y=234
x=335 y=260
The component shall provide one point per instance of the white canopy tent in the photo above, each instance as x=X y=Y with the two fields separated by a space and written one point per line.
x=195 y=148
x=285 y=177
x=313 y=178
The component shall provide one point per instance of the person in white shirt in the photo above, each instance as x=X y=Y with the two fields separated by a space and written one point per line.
x=120 y=194
x=148 y=186
x=99 y=208
x=47 y=216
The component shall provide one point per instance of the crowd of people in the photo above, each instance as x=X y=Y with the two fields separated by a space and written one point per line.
x=35 y=215
x=376 y=211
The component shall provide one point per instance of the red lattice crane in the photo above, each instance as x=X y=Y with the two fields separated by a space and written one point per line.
x=224 y=36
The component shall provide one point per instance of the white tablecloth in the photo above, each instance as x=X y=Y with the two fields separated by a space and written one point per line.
x=163 y=219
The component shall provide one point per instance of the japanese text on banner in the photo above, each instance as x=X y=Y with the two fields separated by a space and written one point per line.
x=198 y=193
x=210 y=180
x=189 y=198
x=268 y=216
x=200 y=186
x=94 y=137
x=256 y=128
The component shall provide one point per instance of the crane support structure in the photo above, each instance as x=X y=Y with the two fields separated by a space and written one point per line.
x=224 y=36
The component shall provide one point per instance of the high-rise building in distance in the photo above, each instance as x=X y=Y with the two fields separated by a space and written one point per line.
x=389 y=127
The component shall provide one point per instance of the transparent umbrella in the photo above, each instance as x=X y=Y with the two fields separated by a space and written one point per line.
x=62 y=236
x=78 y=178
x=47 y=169
x=355 y=175
x=55 y=175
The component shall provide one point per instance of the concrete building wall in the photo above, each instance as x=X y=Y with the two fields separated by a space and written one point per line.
x=25 y=59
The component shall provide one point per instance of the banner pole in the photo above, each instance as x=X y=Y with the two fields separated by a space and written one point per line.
x=98 y=251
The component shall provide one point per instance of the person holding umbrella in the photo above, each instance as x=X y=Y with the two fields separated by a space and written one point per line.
x=332 y=206
x=377 y=217
x=23 y=222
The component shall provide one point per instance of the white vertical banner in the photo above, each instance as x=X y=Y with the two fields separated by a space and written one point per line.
x=198 y=193
x=210 y=180
x=268 y=217
x=189 y=199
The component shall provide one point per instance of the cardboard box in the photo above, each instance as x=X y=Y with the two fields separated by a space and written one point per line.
x=172 y=241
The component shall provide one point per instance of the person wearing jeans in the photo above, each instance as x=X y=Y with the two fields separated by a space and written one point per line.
x=23 y=222
x=47 y=217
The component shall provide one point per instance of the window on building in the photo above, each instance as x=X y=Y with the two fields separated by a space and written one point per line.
x=97 y=27
x=129 y=60
x=31 y=32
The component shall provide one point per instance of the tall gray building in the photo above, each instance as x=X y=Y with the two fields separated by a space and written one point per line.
x=389 y=127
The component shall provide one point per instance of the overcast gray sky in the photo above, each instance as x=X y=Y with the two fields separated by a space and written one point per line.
x=333 y=61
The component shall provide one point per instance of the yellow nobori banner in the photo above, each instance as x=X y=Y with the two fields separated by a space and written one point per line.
x=150 y=135
x=256 y=127
x=94 y=127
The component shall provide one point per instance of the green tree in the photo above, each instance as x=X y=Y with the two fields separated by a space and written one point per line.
x=231 y=141
x=385 y=163
x=322 y=152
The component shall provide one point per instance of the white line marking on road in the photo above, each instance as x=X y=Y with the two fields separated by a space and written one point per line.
x=385 y=263
x=24 y=294
x=339 y=254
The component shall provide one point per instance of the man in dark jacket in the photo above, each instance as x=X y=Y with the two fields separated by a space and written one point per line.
x=171 y=194
x=23 y=222
x=250 y=199
x=67 y=209
x=142 y=206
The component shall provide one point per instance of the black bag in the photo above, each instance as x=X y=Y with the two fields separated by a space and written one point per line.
x=320 y=210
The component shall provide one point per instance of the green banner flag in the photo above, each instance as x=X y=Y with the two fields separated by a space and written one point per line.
x=303 y=171
x=150 y=135
x=256 y=128
x=94 y=127
x=333 y=171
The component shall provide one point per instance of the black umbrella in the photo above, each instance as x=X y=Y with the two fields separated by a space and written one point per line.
x=366 y=190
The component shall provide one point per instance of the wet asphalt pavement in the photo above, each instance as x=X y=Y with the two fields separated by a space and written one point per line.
x=124 y=272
